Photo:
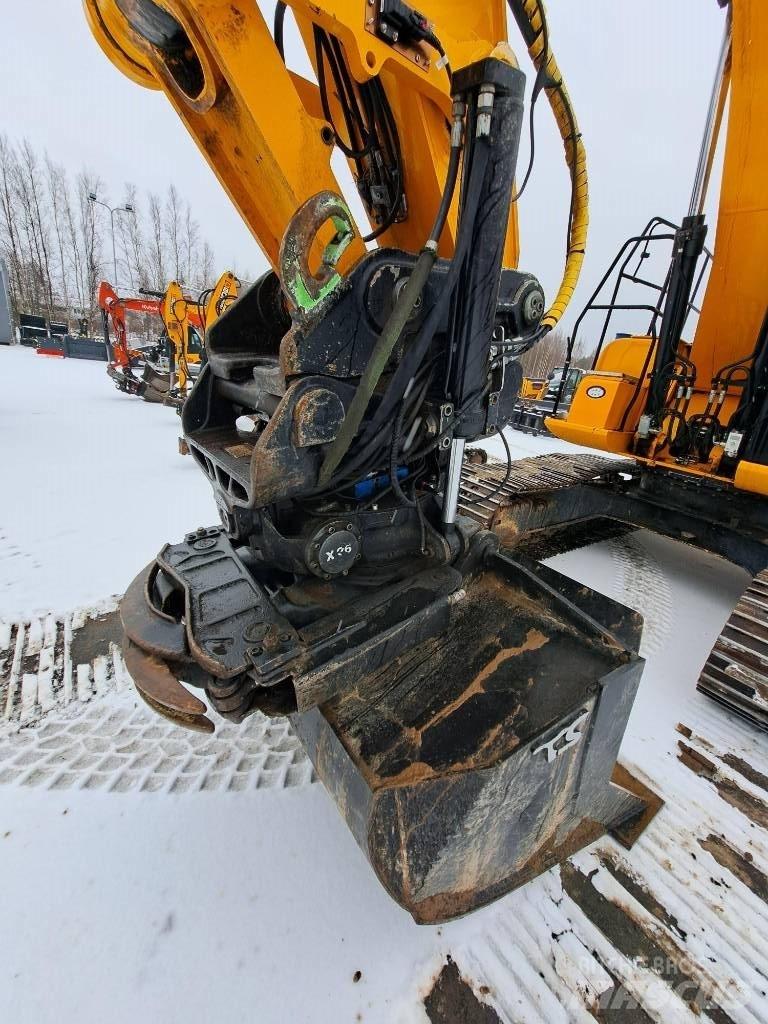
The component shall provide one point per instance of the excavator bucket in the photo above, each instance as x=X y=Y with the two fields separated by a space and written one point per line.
x=484 y=754
x=155 y=384
x=467 y=720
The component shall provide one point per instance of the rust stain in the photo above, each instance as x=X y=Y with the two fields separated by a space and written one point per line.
x=534 y=640
x=418 y=771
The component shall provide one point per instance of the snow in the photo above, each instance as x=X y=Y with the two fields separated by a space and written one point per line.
x=167 y=902
x=93 y=484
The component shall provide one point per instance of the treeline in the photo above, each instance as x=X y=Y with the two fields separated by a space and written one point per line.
x=550 y=352
x=57 y=245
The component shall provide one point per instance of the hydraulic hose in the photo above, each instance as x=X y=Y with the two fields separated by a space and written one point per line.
x=395 y=325
x=530 y=16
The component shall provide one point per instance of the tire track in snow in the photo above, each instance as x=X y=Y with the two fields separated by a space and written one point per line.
x=642 y=585
x=68 y=723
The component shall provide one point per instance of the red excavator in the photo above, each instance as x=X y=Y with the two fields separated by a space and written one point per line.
x=122 y=359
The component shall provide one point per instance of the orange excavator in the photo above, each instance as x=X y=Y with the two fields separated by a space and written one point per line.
x=122 y=359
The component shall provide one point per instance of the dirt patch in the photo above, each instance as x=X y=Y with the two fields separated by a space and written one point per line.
x=645 y=898
x=632 y=938
x=739 y=864
x=749 y=805
x=94 y=637
x=452 y=1001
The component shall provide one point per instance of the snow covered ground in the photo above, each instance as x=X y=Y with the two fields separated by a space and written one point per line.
x=92 y=484
x=150 y=874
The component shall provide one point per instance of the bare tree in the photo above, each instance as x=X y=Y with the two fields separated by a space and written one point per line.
x=173 y=230
x=132 y=242
x=53 y=239
x=57 y=195
x=206 y=265
x=156 y=247
x=542 y=359
x=37 y=219
x=191 y=236
x=11 y=243
x=90 y=239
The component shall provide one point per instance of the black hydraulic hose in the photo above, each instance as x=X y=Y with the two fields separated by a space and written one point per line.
x=408 y=366
x=367 y=453
x=279 y=29
x=383 y=349
x=394 y=451
x=393 y=329
x=381 y=105
x=500 y=487
x=325 y=52
x=447 y=197
x=413 y=357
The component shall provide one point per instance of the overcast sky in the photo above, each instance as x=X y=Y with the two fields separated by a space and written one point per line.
x=639 y=72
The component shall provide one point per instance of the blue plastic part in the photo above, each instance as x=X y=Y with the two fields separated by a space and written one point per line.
x=367 y=488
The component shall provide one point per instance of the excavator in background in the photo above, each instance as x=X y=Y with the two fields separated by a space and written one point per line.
x=167 y=366
x=181 y=348
x=539 y=396
x=533 y=388
x=122 y=360
x=185 y=321
x=463 y=703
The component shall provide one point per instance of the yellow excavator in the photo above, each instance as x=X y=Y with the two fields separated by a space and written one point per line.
x=185 y=322
x=687 y=401
x=462 y=702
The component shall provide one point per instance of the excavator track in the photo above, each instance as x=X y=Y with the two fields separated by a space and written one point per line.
x=486 y=489
x=736 y=672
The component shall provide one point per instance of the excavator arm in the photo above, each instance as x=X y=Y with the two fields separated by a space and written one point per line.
x=122 y=359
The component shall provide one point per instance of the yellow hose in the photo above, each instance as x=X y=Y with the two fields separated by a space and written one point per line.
x=575 y=156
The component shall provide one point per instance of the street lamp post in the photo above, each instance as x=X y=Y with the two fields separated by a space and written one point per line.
x=112 y=211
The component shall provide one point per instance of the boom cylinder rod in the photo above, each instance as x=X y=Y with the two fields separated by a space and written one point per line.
x=712 y=126
x=453 y=481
